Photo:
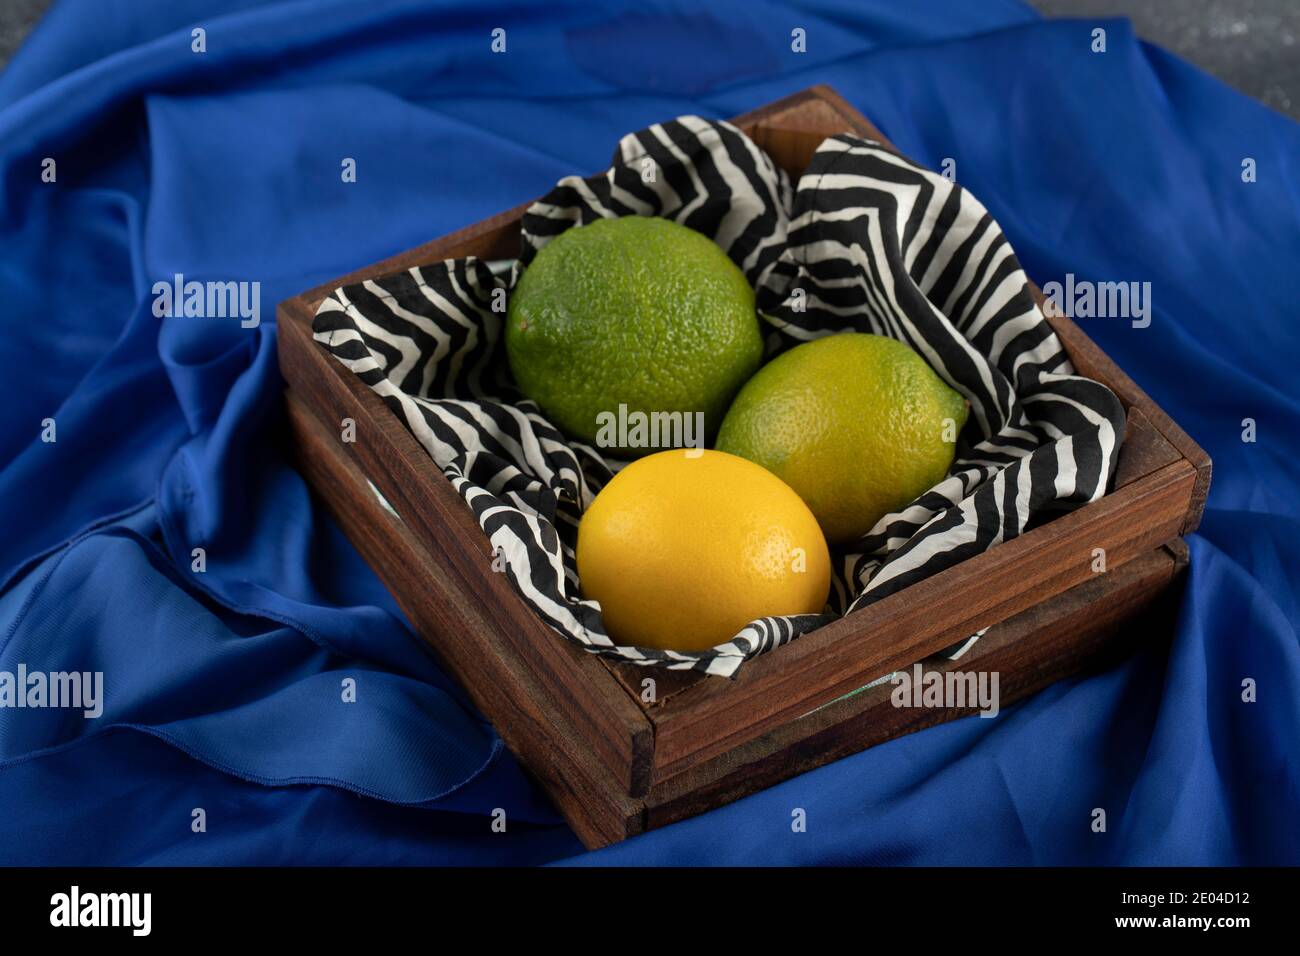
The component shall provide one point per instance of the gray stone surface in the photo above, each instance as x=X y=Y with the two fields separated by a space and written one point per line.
x=17 y=17
x=1253 y=45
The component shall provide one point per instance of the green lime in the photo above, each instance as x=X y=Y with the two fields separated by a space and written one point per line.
x=857 y=424
x=633 y=334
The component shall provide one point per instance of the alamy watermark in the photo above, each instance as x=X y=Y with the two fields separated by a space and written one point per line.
x=75 y=908
x=1084 y=299
x=637 y=429
x=940 y=690
x=75 y=690
x=209 y=300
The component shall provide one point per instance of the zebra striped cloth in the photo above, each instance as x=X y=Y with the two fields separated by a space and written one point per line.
x=865 y=241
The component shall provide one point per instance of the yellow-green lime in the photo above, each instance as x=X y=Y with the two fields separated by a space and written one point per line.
x=858 y=425
x=638 y=312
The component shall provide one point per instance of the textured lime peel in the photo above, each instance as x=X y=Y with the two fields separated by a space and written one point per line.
x=858 y=425
x=636 y=312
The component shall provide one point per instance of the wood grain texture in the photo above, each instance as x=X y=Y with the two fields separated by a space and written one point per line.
x=1081 y=628
x=547 y=736
x=921 y=620
x=391 y=458
x=1091 y=361
x=615 y=763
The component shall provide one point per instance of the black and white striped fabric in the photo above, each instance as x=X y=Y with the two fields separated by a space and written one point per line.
x=866 y=241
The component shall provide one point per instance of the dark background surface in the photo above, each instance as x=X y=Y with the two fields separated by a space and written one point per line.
x=1253 y=45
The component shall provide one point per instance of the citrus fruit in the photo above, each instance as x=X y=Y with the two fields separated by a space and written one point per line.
x=637 y=312
x=682 y=549
x=857 y=424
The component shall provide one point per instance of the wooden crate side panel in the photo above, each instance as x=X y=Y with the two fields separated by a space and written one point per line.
x=920 y=620
x=527 y=717
x=1031 y=650
x=403 y=472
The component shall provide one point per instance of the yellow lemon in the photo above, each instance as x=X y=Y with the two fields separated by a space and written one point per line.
x=683 y=548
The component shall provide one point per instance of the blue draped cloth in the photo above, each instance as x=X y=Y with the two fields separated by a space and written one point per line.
x=224 y=690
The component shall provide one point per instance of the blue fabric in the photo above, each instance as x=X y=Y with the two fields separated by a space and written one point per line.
x=224 y=690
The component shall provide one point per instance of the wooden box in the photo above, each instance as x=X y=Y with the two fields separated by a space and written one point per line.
x=617 y=763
